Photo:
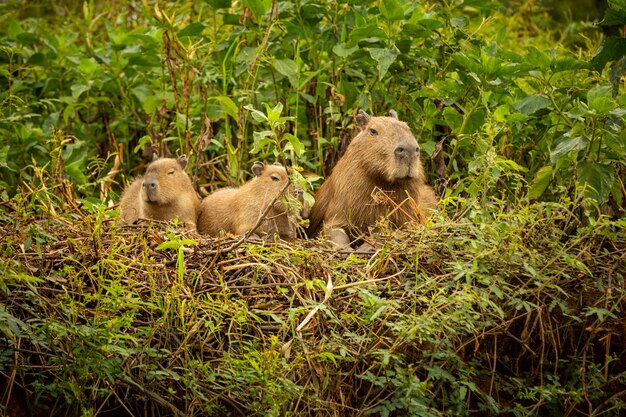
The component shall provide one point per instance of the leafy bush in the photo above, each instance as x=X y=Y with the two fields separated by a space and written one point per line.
x=508 y=303
x=473 y=79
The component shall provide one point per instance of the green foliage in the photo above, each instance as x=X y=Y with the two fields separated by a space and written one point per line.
x=509 y=302
x=116 y=78
x=515 y=313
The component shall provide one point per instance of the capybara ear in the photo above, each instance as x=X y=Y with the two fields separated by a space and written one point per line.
x=155 y=156
x=393 y=114
x=258 y=168
x=182 y=161
x=362 y=119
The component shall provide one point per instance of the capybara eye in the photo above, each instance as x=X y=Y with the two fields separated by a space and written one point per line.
x=275 y=178
x=170 y=172
x=373 y=131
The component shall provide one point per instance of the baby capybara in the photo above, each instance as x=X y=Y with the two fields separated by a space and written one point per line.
x=237 y=210
x=379 y=175
x=165 y=192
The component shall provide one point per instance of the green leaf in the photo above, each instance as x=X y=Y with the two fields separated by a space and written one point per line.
x=261 y=139
x=88 y=67
x=228 y=106
x=612 y=49
x=193 y=29
x=532 y=104
x=599 y=91
x=13 y=28
x=453 y=119
x=384 y=58
x=273 y=115
x=566 y=146
x=141 y=91
x=458 y=22
x=391 y=9
x=602 y=105
x=541 y=182
x=78 y=89
x=615 y=14
x=220 y=4
x=289 y=69
x=258 y=7
x=343 y=51
x=295 y=144
x=598 y=178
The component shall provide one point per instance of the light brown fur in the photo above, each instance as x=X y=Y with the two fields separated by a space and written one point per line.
x=383 y=157
x=237 y=210
x=165 y=192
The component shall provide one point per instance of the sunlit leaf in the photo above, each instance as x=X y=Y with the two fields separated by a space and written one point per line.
x=566 y=146
x=540 y=182
x=384 y=58
x=531 y=104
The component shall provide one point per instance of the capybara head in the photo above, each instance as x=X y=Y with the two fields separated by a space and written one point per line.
x=270 y=180
x=387 y=148
x=164 y=180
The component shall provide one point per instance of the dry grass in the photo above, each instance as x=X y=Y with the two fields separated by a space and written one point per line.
x=516 y=314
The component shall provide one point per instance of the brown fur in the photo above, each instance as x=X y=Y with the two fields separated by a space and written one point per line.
x=165 y=192
x=237 y=210
x=383 y=157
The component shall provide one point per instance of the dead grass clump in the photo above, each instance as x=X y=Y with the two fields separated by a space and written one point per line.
x=483 y=315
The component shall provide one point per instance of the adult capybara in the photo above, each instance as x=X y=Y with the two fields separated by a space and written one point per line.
x=237 y=210
x=379 y=175
x=165 y=192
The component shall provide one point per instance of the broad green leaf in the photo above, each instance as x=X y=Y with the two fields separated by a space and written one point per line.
x=501 y=112
x=78 y=89
x=391 y=9
x=88 y=67
x=261 y=139
x=598 y=177
x=599 y=91
x=453 y=119
x=13 y=28
x=273 y=115
x=611 y=49
x=258 y=7
x=343 y=51
x=602 y=105
x=141 y=91
x=458 y=22
x=431 y=24
x=295 y=144
x=537 y=58
x=615 y=14
x=192 y=29
x=540 y=182
x=369 y=33
x=384 y=58
x=289 y=69
x=532 y=104
x=566 y=146
x=228 y=106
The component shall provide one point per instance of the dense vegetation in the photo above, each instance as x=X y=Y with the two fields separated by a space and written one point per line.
x=509 y=302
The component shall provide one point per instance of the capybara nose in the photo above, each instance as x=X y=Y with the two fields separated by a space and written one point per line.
x=149 y=185
x=403 y=151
